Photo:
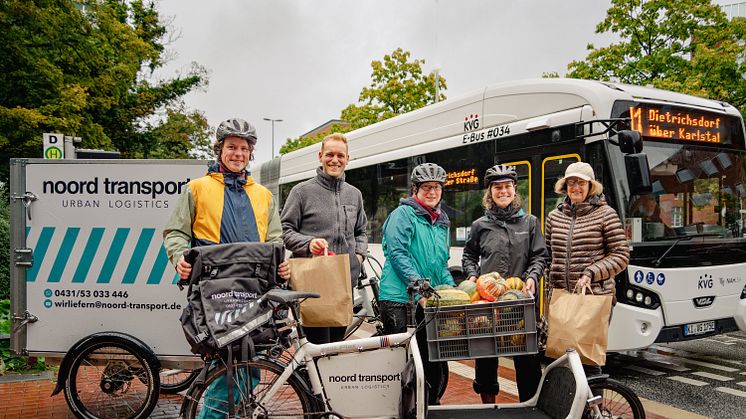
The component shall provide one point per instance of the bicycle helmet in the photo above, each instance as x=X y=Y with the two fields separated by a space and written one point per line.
x=234 y=127
x=428 y=172
x=500 y=172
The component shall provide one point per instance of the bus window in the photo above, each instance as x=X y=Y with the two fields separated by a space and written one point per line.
x=392 y=185
x=464 y=188
x=552 y=169
x=523 y=186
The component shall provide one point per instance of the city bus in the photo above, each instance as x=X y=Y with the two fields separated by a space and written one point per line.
x=684 y=210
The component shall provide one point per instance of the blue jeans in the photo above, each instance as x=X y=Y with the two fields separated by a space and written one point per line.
x=215 y=403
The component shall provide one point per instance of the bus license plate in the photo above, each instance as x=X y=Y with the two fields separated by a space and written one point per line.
x=699 y=328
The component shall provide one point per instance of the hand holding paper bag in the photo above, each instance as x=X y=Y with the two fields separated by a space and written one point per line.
x=330 y=277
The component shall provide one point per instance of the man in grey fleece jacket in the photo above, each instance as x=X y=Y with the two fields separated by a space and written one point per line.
x=325 y=212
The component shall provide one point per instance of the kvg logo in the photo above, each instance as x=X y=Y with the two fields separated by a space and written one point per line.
x=705 y=281
x=471 y=122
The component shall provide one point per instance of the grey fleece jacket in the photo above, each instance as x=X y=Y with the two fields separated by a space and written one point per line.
x=328 y=208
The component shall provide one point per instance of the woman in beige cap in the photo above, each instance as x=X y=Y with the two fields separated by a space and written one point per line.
x=584 y=235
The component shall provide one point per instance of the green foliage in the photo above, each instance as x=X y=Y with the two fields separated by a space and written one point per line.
x=687 y=46
x=398 y=86
x=300 y=142
x=80 y=68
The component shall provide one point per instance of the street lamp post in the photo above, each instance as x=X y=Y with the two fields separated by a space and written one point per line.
x=273 y=133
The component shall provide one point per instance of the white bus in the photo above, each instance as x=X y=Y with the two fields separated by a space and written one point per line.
x=687 y=229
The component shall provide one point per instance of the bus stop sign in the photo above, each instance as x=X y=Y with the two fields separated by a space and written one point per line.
x=53 y=146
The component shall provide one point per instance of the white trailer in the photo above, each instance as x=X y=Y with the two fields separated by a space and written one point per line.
x=90 y=280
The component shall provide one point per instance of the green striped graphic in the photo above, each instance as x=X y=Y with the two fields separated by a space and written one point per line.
x=39 y=252
x=91 y=247
x=120 y=237
x=64 y=254
x=141 y=248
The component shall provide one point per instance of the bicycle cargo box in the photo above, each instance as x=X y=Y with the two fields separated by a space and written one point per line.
x=500 y=328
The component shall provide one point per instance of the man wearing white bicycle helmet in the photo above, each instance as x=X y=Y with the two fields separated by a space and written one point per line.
x=224 y=206
x=416 y=243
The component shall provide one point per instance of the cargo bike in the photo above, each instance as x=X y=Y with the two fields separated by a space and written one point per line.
x=382 y=376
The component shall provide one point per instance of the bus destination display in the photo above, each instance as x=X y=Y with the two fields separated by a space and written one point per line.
x=678 y=124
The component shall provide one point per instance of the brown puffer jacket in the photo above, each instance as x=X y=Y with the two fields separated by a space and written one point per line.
x=586 y=238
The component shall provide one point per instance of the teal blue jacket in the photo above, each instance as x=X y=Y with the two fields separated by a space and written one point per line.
x=414 y=248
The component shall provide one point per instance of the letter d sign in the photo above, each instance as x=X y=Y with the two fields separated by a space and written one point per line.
x=53 y=146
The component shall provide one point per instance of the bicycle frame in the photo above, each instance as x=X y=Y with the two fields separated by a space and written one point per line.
x=401 y=346
x=363 y=298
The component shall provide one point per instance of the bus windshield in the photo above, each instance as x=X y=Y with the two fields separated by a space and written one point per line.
x=696 y=192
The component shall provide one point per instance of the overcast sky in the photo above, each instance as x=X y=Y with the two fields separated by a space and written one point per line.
x=303 y=61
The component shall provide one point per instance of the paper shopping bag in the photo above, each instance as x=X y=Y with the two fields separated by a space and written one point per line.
x=579 y=321
x=330 y=277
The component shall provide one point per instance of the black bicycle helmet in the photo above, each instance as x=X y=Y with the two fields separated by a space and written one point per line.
x=500 y=172
x=428 y=172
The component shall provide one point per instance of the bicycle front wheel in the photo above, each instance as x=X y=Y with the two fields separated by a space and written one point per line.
x=174 y=381
x=251 y=381
x=618 y=400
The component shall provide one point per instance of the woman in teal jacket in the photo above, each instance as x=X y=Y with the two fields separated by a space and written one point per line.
x=416 y=242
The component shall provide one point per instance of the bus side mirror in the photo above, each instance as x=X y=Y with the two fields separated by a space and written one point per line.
x=638 y=173
x=630 y=141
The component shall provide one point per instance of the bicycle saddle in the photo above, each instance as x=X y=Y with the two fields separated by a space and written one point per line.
x=282 y=296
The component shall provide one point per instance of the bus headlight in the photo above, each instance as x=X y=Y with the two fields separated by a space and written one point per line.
x=638 y=296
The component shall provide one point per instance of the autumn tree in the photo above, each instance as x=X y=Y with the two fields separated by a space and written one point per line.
x=687 y=46
x=398 y=85
x=84 y=68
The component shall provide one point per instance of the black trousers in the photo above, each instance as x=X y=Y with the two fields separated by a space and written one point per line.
x=527 y=375
x=394 y=318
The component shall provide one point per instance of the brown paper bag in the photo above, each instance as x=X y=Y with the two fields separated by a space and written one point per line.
x=330 y=277
x=580 y=321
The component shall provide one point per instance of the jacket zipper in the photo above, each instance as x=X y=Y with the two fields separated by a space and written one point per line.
x=569 y=246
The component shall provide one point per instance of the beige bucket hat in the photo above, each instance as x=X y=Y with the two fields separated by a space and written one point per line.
x=583 y=171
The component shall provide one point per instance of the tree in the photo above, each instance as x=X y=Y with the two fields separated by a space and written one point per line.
x=687 y=46
x=398 y=86
x=300 y=142
x=81 y=68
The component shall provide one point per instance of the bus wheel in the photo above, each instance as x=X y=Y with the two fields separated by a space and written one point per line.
x=112 y=377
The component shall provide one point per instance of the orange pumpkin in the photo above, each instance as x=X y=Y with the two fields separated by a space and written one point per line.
x=489 y=288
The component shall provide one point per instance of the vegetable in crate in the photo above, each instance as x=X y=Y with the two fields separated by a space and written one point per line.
x=515 y=283
x=451 y=326
x=479 y=324
x=489 y=287
x=449 y=297
x=469 y=288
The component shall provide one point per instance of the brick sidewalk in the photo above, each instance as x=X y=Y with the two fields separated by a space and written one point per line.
x=30 y=399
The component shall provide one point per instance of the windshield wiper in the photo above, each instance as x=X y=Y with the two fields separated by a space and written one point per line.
x=657 y=262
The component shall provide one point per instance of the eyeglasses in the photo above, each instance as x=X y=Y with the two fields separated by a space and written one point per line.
x=579 y=182
x=429 y=188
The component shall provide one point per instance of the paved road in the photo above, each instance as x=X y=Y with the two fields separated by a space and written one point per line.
x=705 y=376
